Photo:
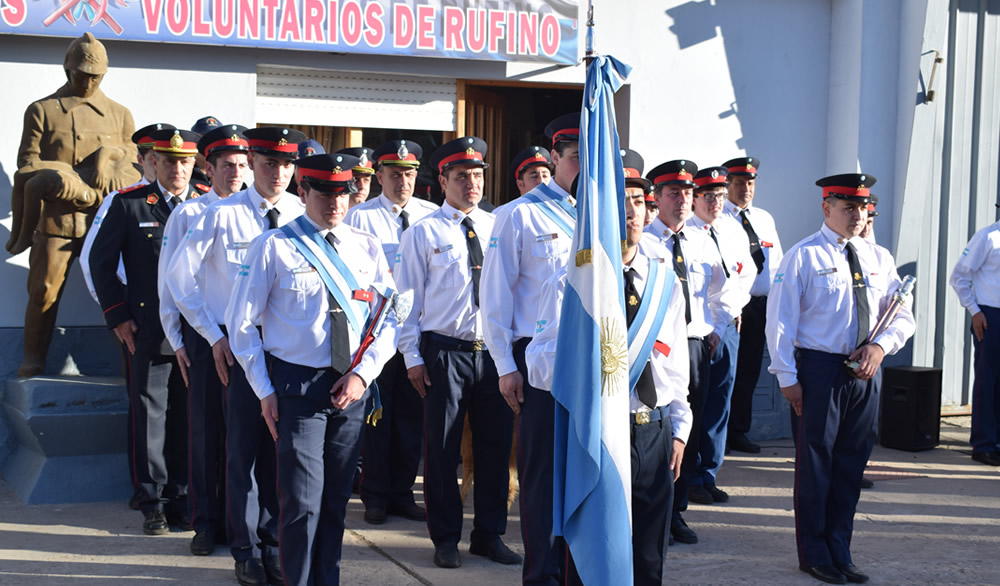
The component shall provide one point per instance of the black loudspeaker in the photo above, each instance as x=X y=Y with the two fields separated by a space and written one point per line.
x=911 y=408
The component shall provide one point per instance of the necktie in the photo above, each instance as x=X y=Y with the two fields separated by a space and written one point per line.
x=175 y=201
x=860 y=294
x=682 y=273
x=475 y=257
x=644 y=387
x=340 y=345
x=404 y=217
x=755 y=250
x=272 y=221
x=711 y=232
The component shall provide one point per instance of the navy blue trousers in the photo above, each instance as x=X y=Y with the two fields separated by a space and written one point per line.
x=748 y=363
x=698 y=350
x=715 y=417
x=206 y=437
x=465 y=382
x=835 y=435
x=652 y=498
x=318 y=448
x=251 y=493
x=159 y=431
x=545 y=555
x=392 y=448
x=985 y=434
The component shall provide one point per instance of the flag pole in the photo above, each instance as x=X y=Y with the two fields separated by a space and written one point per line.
x=590 y=54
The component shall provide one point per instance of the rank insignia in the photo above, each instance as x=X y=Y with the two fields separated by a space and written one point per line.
x=151 y=199
x=263 y=206
x=632 y=300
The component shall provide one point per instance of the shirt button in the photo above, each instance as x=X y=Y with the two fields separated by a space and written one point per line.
x=149 y=235
x=142 y=304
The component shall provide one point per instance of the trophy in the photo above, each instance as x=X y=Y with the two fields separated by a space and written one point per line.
x=898 y=299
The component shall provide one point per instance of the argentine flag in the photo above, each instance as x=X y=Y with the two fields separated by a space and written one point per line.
x=592 y=485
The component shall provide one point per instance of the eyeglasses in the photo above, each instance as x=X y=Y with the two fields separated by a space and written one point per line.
x=713 y=195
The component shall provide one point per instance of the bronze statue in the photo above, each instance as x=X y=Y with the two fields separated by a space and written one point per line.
x=75 y=148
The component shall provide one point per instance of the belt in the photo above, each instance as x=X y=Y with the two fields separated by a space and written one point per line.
x=455 y=343
x=644 y=417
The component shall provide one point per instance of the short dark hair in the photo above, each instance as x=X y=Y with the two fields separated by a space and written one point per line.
x=560 y=147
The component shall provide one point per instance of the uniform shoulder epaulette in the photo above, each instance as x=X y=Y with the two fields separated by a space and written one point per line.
x=202 y=188
x=132 y=188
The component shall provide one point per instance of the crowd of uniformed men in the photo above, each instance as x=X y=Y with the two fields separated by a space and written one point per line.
x=263 y=327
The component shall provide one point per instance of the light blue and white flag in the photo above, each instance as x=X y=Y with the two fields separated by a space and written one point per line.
x=592 y=485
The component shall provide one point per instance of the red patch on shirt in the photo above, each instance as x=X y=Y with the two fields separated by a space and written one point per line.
x=661 y=347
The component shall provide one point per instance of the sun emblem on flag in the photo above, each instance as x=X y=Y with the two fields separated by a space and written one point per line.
x=614 y=356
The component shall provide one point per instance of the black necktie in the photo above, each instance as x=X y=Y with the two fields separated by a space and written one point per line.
x=644 y=387
x=860 y=294
x=175 y=201
x=755 y=250
x=682 y=273
x=340 y=345
x=711 y=232
x=272 y=221
x=404 y=217
x=475 y=257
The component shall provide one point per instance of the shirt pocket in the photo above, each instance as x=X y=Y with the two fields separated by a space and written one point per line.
x=829 y=283
x=298 y=287
x=446 y=267
x=698 y=277
x=550 y=250
x=236 y=252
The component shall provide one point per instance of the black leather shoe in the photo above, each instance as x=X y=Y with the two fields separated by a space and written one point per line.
x=272 y=569
x=867 y=483
x=988 y=458
x=681 y=532
x=155 y=523
x=203 y=543
x=828 y=574
x=412 y=511
x=180 y=520
x=853 y=574
x=718 y=495
x=698 y=494
x=446 y=556
x=497 y=551
x=375 y=515
x=251 y=572
x=741 y=443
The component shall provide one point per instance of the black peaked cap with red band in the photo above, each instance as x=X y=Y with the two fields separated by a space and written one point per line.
x=275 y=141
x=710 y=177
x=742 y=167
x=852 y=187
x=399 y=153
x=679 y=172
x=329 y=172
x=143 y=137
x=468 y=150
x=530 y=157
x=633 y=164
x=224 y=138
x=564 y=128
x=366 y=158
x=176 y=142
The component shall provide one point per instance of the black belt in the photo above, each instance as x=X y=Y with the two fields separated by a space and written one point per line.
x=455 y=343
x=644 y=417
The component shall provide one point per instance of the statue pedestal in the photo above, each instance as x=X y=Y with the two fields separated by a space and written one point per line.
x=71 y=436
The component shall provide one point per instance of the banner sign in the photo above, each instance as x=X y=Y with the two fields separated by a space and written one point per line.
x=501 y=30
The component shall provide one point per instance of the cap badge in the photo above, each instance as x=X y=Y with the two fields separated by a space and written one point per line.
x=176 y=142
x=539 y=155
x=403 y=152
x=682 y=171
x=310 y=151
x=337 y=170
x=282 y=142
x=628 y=172
x=234 y=138
x=470 y=151
x=364 y=160
x=715 y=174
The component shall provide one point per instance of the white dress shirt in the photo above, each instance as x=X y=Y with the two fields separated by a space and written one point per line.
x=734 y=247
x=380 y=218
x=433 y=262
x=88 y=243
x=219 y=241
x=715 y=301
x=763 y=225
x=976 y=276
x=670 y=372
x=282 y=292
x=180 y=220
x=526 y=249
x=811 y=303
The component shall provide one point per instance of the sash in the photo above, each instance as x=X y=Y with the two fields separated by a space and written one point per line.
x=337 y=278
x=554 y=206
x=643 y=331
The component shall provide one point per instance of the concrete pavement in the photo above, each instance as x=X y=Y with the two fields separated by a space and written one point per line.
x=932 y=518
